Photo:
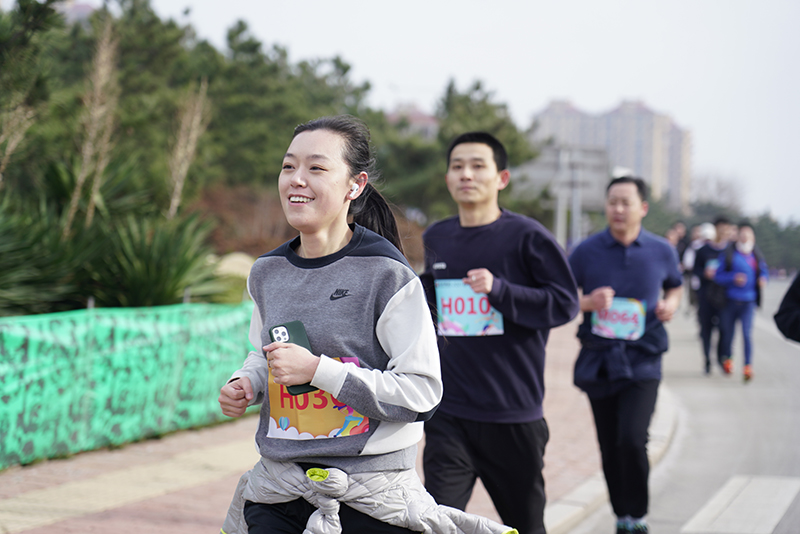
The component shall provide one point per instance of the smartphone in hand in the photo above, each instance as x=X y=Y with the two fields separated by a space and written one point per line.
x=293 y=332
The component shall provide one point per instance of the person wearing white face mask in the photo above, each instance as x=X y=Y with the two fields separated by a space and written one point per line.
x=743 y=272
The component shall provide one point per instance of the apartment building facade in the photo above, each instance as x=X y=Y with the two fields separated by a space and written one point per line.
x=635 y=137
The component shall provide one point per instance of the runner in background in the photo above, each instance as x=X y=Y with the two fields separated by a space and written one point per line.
x=708 y=314
x=683 y=238
x=631 y=286
x=499 y=282
x=743 y=273
x=701 y=234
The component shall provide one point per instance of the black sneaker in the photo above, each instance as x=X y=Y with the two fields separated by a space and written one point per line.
x=638 y=528
x=623 y=527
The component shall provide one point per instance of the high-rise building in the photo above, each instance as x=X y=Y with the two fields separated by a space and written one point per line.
x=635 y=137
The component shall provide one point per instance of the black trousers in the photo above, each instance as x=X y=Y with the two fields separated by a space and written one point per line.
x=709 y=318
x=291 y=518
x=508 y=458
x=621 y=421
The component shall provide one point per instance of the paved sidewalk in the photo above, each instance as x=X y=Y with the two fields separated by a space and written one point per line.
x=182 y=483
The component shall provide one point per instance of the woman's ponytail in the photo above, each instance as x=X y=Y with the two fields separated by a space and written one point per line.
x=372 y=211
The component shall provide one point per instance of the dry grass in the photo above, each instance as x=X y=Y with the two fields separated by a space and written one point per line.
x=16 y=122
x=100 y=104
x=194 y=117
x=103 y=156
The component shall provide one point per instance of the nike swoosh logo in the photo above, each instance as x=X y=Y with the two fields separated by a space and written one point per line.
x=340 y=294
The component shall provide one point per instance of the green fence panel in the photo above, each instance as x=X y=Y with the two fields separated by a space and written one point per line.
x=82 y=380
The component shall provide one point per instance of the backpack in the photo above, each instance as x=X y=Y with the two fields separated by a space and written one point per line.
x=716 y=294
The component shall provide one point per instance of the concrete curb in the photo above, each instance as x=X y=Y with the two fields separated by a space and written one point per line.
x=567 y=512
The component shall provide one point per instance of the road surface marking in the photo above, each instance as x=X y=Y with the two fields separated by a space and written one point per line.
x=745 y=505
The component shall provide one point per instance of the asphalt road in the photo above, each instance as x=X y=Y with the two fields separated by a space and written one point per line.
x=734 y=463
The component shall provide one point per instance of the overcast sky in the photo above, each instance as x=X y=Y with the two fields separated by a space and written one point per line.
x=724 y=69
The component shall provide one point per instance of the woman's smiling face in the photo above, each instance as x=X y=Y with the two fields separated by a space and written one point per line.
x=315 y=182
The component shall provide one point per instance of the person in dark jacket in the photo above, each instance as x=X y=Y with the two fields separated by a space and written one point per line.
x=631 y=286
x=708 y=312
x=499 y=282
x=788 y=316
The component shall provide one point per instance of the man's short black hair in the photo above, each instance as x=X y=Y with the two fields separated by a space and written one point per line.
x=499 y=151
x=747 y=223
x=641 y=187
x=721 y=219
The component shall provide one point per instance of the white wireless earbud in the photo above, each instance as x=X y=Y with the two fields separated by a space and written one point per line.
x=353 y=191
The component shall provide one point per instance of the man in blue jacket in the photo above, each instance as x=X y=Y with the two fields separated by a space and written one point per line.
x=743 y=272
x=623 y=272
x=498 y=282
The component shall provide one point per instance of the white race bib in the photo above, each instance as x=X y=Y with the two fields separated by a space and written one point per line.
x=463 y=312
x=623 y=320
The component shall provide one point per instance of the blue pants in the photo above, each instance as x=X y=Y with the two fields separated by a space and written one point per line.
x=737 y=310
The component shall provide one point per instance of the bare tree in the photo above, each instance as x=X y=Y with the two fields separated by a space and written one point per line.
x=717 y=189
x=194 y=117
x=100 y=102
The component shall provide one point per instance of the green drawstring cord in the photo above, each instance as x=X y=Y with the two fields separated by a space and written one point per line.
x=317 y=474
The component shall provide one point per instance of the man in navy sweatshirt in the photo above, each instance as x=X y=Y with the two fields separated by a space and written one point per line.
x=497 y=282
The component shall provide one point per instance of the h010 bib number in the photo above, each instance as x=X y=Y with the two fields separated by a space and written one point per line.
x=463 y=312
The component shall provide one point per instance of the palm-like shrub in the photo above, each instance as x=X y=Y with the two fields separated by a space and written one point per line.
x=153 y=261
x=40 y=273
x=136 y=259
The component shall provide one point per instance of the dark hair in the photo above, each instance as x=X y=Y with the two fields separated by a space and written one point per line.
x=745 y=222
x=499 y=151
x=721 y=219
x=641 y=187
x=370 y=209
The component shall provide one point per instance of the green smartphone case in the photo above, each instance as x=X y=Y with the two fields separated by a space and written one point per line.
x=293 y=332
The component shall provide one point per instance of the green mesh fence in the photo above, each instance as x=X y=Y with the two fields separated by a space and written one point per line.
x=82 y=380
